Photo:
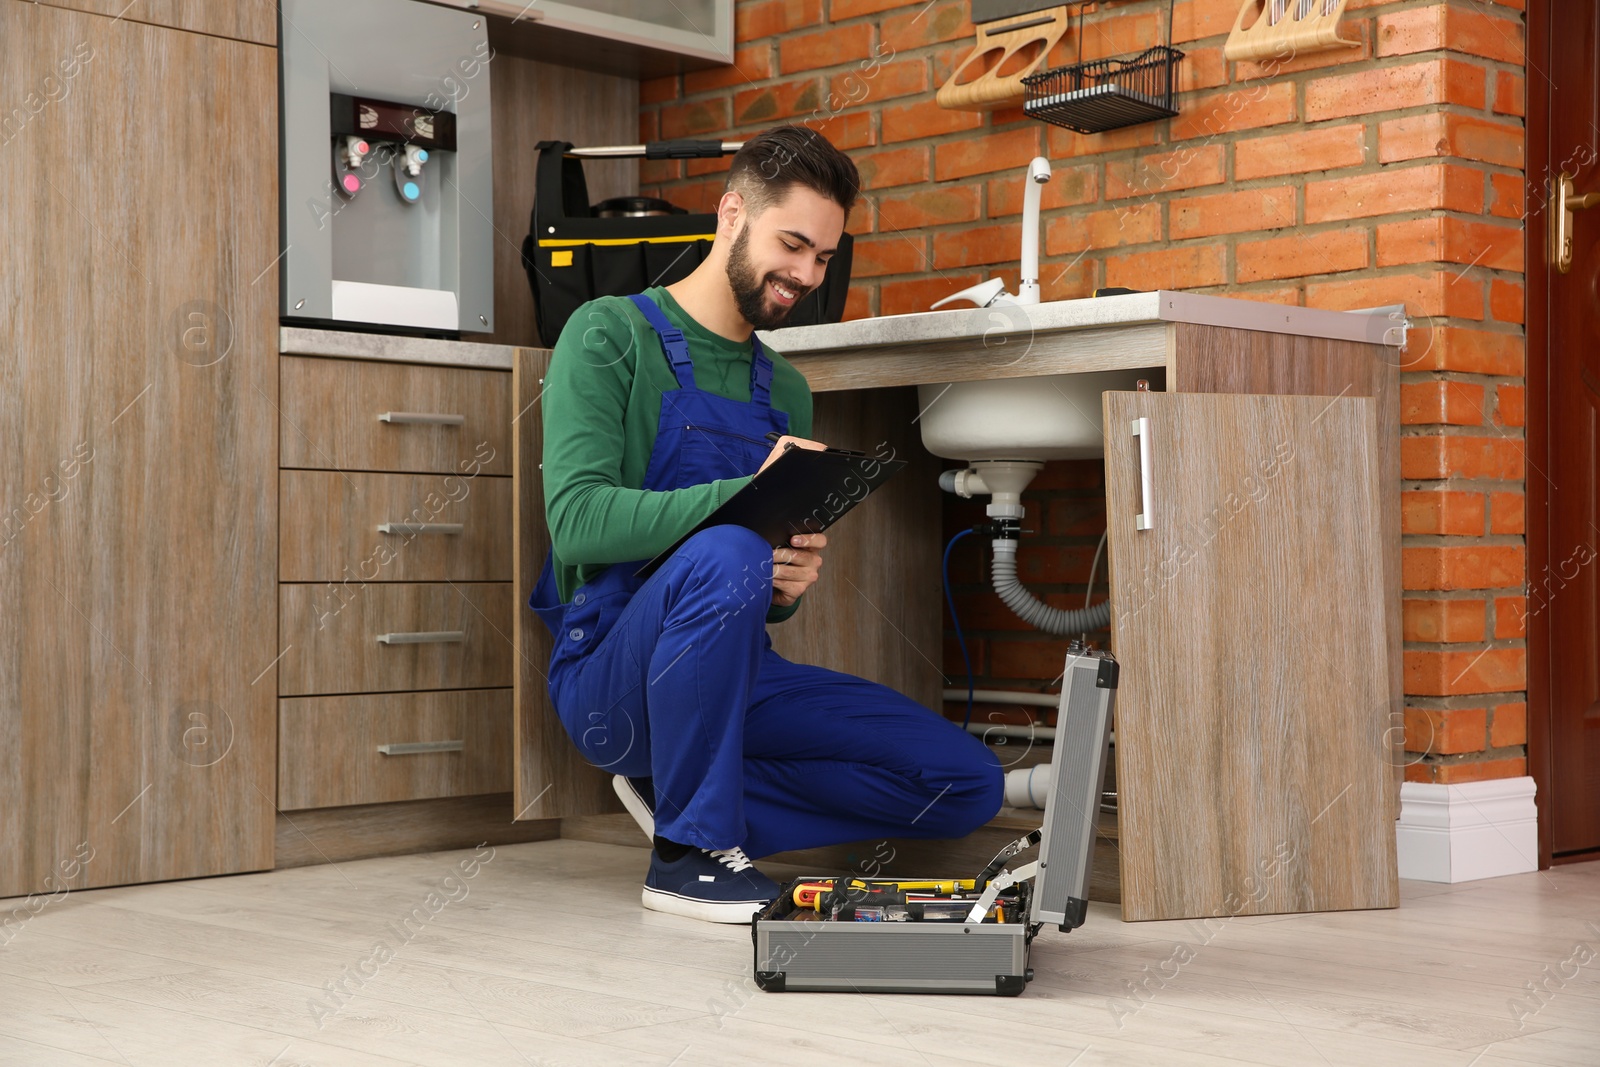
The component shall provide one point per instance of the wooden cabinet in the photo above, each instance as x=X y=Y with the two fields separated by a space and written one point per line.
x=253 y=22
x=395 y=566
x=139 y=430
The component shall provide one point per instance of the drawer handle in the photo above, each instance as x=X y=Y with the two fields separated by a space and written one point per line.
x=420 y=527
x=1146 y=519
x=416 y=748
x=424 y=637
x=421 y=418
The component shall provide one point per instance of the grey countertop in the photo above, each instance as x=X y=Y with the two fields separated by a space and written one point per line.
x=1375 y=326
x=393 y=348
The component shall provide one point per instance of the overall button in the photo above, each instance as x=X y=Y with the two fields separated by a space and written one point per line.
x=580 y=598
x=576 y=634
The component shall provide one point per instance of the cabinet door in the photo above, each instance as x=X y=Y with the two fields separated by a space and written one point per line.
x=137 y=420
x=1248 y=615
x=552 y=779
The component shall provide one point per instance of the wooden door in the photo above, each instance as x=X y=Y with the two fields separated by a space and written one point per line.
x=137 y=419
x=1563 y=598
x=1252 y=766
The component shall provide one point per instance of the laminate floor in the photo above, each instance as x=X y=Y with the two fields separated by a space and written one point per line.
x=539 y=954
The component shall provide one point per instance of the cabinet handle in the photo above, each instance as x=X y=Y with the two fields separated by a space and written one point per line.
x=416 y=748
x=425 y=637
x=1145 y=520
x=420 y=527
x=421 y=418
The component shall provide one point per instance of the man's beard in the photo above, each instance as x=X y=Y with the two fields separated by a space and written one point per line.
x=750 y=292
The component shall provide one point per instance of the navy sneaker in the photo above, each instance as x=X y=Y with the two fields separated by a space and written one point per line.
x=638 y=795
x=714 y=885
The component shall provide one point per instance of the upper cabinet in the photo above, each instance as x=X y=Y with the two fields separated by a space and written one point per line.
x=253 y=22
x=621 y=37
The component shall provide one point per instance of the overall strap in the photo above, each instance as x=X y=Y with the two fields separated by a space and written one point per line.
x=760 y=374
x=672 y=341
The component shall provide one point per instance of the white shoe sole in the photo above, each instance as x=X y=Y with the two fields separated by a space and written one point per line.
x=635 y=806
x=706 y=911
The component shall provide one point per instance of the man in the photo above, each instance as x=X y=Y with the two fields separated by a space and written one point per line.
x=658 y=408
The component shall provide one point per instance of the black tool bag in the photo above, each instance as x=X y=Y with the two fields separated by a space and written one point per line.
x=572 y=257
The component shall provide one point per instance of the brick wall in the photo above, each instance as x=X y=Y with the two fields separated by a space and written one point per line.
x=1391 y=172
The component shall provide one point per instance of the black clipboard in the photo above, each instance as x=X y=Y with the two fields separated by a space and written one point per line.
x=804 y=490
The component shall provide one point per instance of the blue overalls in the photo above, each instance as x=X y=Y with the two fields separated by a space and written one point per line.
x=674 y=677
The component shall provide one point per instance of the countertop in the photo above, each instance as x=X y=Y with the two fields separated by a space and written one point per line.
x=393 y=348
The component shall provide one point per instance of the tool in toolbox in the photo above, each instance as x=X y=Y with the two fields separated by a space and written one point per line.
x=956 y=935
x=576 y=251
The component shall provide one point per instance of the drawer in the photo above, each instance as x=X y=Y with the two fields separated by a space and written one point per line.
x=354 y=527
x=331 y=750
x=446 y=420
x=436 y=636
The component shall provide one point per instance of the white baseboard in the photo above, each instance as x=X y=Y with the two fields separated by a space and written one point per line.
x=1459 y=833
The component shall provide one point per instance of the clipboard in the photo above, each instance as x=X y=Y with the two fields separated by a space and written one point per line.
x=805 y=490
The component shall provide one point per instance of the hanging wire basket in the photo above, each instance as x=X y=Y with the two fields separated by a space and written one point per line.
x=1105 y=94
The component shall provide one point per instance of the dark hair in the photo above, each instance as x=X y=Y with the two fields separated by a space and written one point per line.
x=775 y=160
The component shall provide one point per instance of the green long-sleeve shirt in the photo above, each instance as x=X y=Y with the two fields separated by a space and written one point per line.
x=602 y=403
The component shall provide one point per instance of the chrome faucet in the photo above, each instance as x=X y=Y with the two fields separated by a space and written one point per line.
x=992 y=293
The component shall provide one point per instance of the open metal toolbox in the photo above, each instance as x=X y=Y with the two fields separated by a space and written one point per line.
x=850 y=934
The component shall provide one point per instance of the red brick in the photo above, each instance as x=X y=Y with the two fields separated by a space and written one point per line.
x=1436 y=81
x=1203 y=68
x=766 y=105
x=1450 y=240
x=1432 y=29
x=1441 y=403
x=869 y=84
x=1195 y=20
x=839 y=10
x=858 y=302
x=926 y=24
x=853 y=130
x=1068 y=186
x=1287 y=295
x=939 y=206
x=1328 y=148
x=955 y=670
x=1465 y=567
x=1066 y=144
x=1019 y=658
x=1262 y=104
x=1426 y=294
x=1056 y=564
x=1495 y=670
x=1438 y=133
x=975 y=244
x=750 y=65
x=1297 y=255
x=659 y=90
x=655 y=171
x=892 y=254
x=1112 y=35
x=1480 y=770
x=700 y=167
x=1455 y=456
x=1443 y=621
x=1183 y=267
x=1510 y=93
x=1059 y=474
x=1506 y=195
x=1068 y=281
x=1446 y=731
x=825 y=48
x=1071 y=234
x=1506 y=301
x=1508 y=513
x=700 y=197
x=1078 y=517
x=902 y=298
x=1186 y=168
x=1459 y=349
x=888 y=168
x=1439 y=186
x=984 y=155
x=695 y=119
x=1509 y=405
x=1445 y=512
x=1509 y=725
x=771 y=17
x=909 y=122
x=1251 y=209
x=1510 y=615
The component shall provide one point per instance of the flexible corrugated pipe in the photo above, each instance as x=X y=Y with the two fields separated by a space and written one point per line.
x=1033 y=611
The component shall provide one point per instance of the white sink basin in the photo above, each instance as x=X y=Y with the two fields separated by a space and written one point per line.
x=1048 y=417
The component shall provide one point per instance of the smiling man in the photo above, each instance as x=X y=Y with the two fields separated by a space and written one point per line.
x=658 y=407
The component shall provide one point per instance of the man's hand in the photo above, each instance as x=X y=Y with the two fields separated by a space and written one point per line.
x=795 y=566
